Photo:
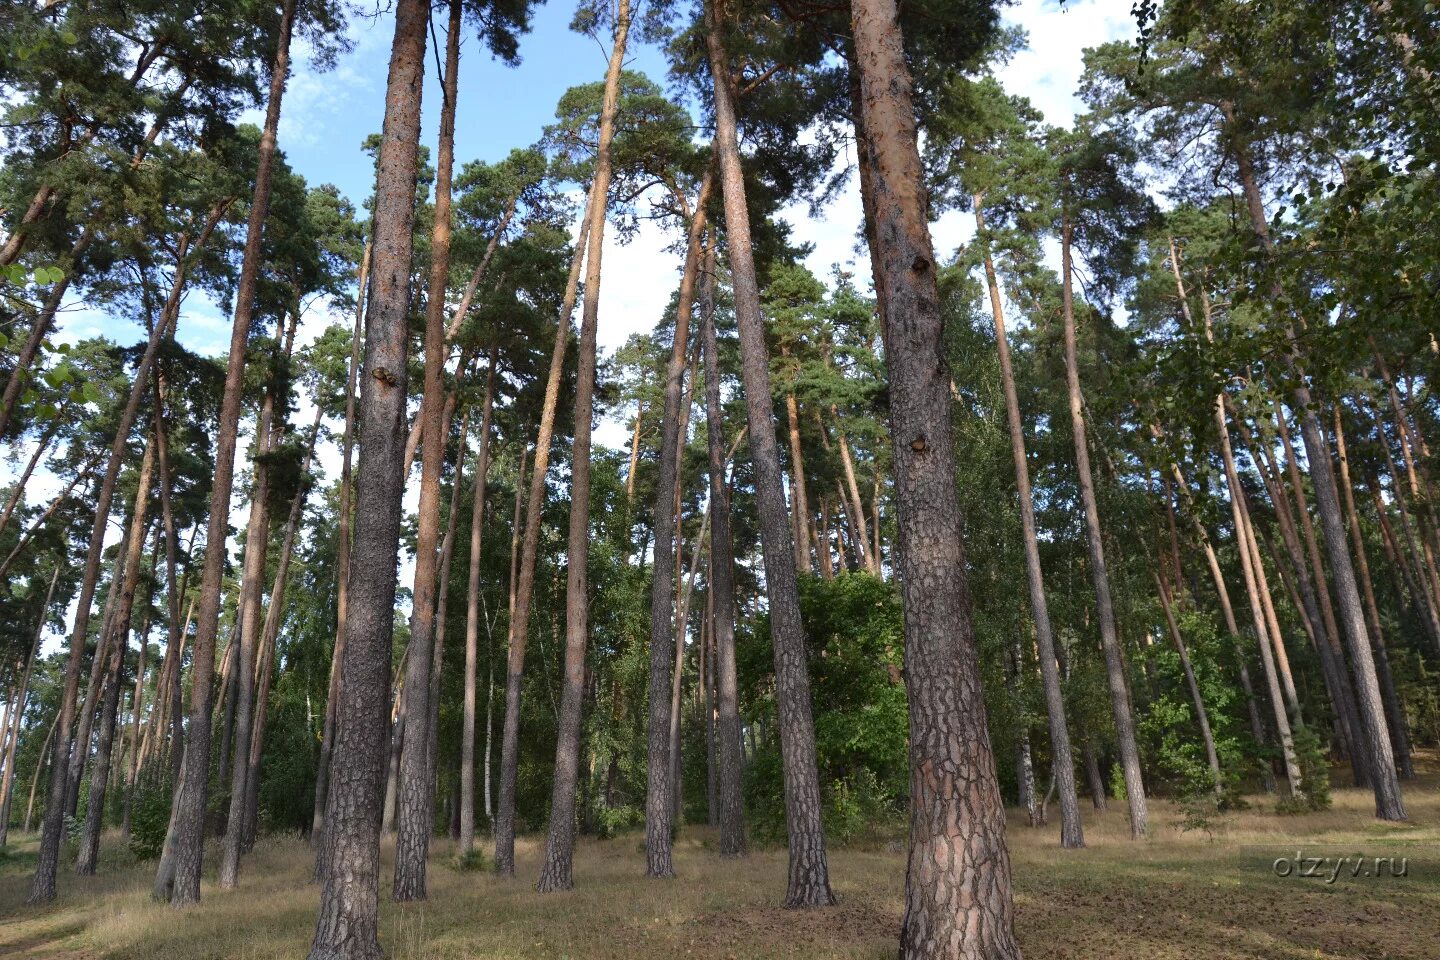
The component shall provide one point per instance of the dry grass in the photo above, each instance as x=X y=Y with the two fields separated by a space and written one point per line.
x=1178 y=895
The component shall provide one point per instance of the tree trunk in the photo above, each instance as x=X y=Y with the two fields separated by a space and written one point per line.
x=347 y=924
x=958 y=901
x=1374 y=732
x=119 y=628
x=472 y=621
x=7 y=785
x=800 y=505
x=1202 y=716
x=43 y=886
x=809 y=875
x=415 y=791
x=342 y=568
x=189 y=817
x=1071 y=831
x=659 y=791
x=30 y=465
x=556 y=872
x=249 y=634
x=524 y=583
x=729 y=749
x=1394 y=707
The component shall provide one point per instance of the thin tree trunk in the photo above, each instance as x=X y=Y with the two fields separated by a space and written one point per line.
x=1104 y=606
x=249 y=635
x=809 y=875
x=347 y=924
x=800 y=507
x=659 y=791
x=556 y=873
x=342 y=567
x=7 y=786
x=1202 y=716
x=867 y=555
x=30 y=465
x=958 y=900
x=472 y=622
x=46 y=756
x=1071 y=831
x=1394 y=707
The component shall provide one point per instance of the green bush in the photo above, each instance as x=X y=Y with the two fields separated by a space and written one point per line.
x=1312 y=758
x=149 y=818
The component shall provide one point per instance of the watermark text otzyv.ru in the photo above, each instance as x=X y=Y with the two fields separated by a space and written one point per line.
x=1351 y=867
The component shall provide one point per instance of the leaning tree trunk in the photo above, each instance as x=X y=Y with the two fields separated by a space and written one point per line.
x=958 y=901
x=1374 y=734
x=42 y=888
x=342 y=569
x=1071 y=831
x=730 y=749
x=347 y=927
x=189 y=816
x=524 y=586
x=1394 y=707
x=414 y=789
x=1202 y=716
x=1104 y=605
x=556 y=872
x=809 y=876
x=120 y=638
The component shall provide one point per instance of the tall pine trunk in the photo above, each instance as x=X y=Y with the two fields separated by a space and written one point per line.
x=958 y=900
x=190 y=799
x=347 y=922
x=472 y=620
x=809 y=874
x=119 y=627
x=1071 y=831
x=342 y=565
x=524 y=582
x=415 y=791
x=1104 y=605
x=556 y=871
x=729 y=748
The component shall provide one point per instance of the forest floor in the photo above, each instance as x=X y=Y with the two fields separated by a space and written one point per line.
x=1181 y=894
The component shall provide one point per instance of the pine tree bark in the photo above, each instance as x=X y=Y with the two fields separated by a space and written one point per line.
x=556 y=872
x=729 y=748
x=809 y=875
x=415 y=791
x=958 y=900
x=1071 y=831
x=347 y=924
x=659 y=788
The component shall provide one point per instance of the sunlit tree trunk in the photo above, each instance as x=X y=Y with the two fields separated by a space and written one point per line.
x=472 y=620
x=189 y=815
x=556 y=872
x=17 y=709
x=347 y=923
